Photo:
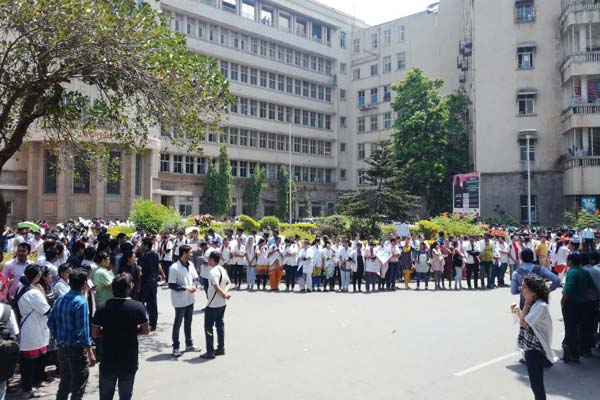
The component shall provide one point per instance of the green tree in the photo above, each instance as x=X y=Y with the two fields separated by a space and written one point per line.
x=225 y=183
x=306 y=206
x=252 y=191
x=209 y=201
x=430 y=139
x=282 y=209
x=382 y=197
x=53 y=53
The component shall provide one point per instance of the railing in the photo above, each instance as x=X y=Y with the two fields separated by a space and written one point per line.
x=582 y=162
x=580 y=109
x=576 y=6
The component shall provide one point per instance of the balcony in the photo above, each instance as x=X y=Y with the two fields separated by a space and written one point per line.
x=577 y=12
x=580 y=175
x=581 y=116
x=578 y=64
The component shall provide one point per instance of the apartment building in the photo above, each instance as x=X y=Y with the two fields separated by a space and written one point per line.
x=316 y=81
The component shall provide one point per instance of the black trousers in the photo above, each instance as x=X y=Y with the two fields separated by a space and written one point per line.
x=148 y=299
x=573 y=313
x=588 y=244
x=214 y=317
x=588 y=326
x=290 y=276
x=238 y=271
x=32 y=371
x=74 y=373
x=337 y=275
x=472 y=272
x=535 y=361
x=357 y=278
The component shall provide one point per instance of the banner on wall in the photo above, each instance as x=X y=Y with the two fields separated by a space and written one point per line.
x=465 y=193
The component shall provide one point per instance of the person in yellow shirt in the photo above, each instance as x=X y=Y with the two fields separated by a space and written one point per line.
x=541 y=251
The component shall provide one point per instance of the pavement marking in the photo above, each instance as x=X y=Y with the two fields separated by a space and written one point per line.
x=485 y=364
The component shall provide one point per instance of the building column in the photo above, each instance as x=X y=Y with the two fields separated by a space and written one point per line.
x=129 y=164
x=582 y=38
x=62 y=197
x=98 y=190
x=584 y=89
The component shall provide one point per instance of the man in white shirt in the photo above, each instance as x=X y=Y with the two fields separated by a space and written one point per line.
x=36 y=242
x=503 y=249
x=238 y=260
x=182 y=275
x=215 y=308
x=179 y=240
x=345 y=261
x=588 y=235
x=471 y=252
x=15 y=268
x=165 y=252
x=290 y=263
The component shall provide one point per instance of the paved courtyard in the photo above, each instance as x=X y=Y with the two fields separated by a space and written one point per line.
x=400 y=345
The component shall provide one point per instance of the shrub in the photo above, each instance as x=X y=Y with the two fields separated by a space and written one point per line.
x=291 y=232
x=334 y=225
x=269 y=223
x=113 y=231
x=248 y=223
x=154 y=218
x=452 y=225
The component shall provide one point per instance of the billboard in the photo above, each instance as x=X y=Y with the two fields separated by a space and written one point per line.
x=588 y=204
x=465 y=193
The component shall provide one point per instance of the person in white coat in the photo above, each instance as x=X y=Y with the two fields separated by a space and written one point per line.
x=317 y=259
x=305 y=263
x=372 y=266
x=290 y=263
x=344 y=256
x=238 y=260
x=35 y=334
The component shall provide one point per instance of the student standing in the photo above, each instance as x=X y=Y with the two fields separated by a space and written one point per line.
x=305 y=264
x=182 y=275
x=119 y=321
x=69 y=324
x=250 y=262
x=151 y=269
x=215 y=308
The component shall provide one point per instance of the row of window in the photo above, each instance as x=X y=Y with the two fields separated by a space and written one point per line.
x=373 y=122
x=190 y=165
x=374 y=94
x=386 y=39
x=251 y=44
x=387 y=66
x=277 y=112
x=271 y=80
x=361 y=149
x=82 y=174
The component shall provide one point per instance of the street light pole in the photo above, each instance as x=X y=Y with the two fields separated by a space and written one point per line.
x=290 y=173
x=528 y=139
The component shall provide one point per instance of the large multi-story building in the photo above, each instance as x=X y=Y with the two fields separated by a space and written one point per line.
x=316 y=81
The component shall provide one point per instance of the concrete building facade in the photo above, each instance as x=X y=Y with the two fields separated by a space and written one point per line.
x=312 y=79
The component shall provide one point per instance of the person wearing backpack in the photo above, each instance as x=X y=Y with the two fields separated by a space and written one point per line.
x=9 y=348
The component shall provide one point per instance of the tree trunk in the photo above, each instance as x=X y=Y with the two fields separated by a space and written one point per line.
x=3 y=213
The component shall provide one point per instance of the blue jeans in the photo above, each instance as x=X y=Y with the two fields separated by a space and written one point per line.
x=502 y=273
x=109 y=380
x=3 y=385
x=345 y=274
x=422 y=276
x=392 y=274
x=183 y=314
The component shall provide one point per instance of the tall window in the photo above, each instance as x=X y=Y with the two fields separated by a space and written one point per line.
x=113 y=181
x=343 y=68
x=50 y=172
x=201 y=166
x=81 y=174
x=401 y=33
x=229 y=5
x=266 y=15
x=189 y=165
x=361 y=176
x=524 y=11
x=300 y=26
x=374 y=96
x=138 y=175
x=387 y=120
x=526 y=102
x=356 y=74
x=374 y=40
x=374 y=122
x=523 y=150
x=387 y=37
x=361 y=97
x=165 y=161
x=342 y=94
x=356 y=45
x=374 y=69
x=178 y=164
x=248 y=9
x=361 y=151
x=284 y=22
x=525 y=57
x=387 y=94
x=524 y=214
x=361 y=124
x=343 y=40
x=401 y=61
x=387 y=64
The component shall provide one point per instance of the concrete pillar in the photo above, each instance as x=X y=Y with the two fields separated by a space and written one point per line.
x=98 y=190
x=582 y=38
x=584 y=89
x=62 y=187
x=129 y=163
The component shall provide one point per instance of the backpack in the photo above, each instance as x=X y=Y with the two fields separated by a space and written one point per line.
x=9 y=347
x=15 y=304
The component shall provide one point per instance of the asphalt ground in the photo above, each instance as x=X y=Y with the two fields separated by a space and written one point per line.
x=390 y=345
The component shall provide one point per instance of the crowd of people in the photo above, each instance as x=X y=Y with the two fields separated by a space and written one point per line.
x=79 y=295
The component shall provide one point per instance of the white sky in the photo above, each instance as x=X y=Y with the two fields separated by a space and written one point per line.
x=375 y=12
